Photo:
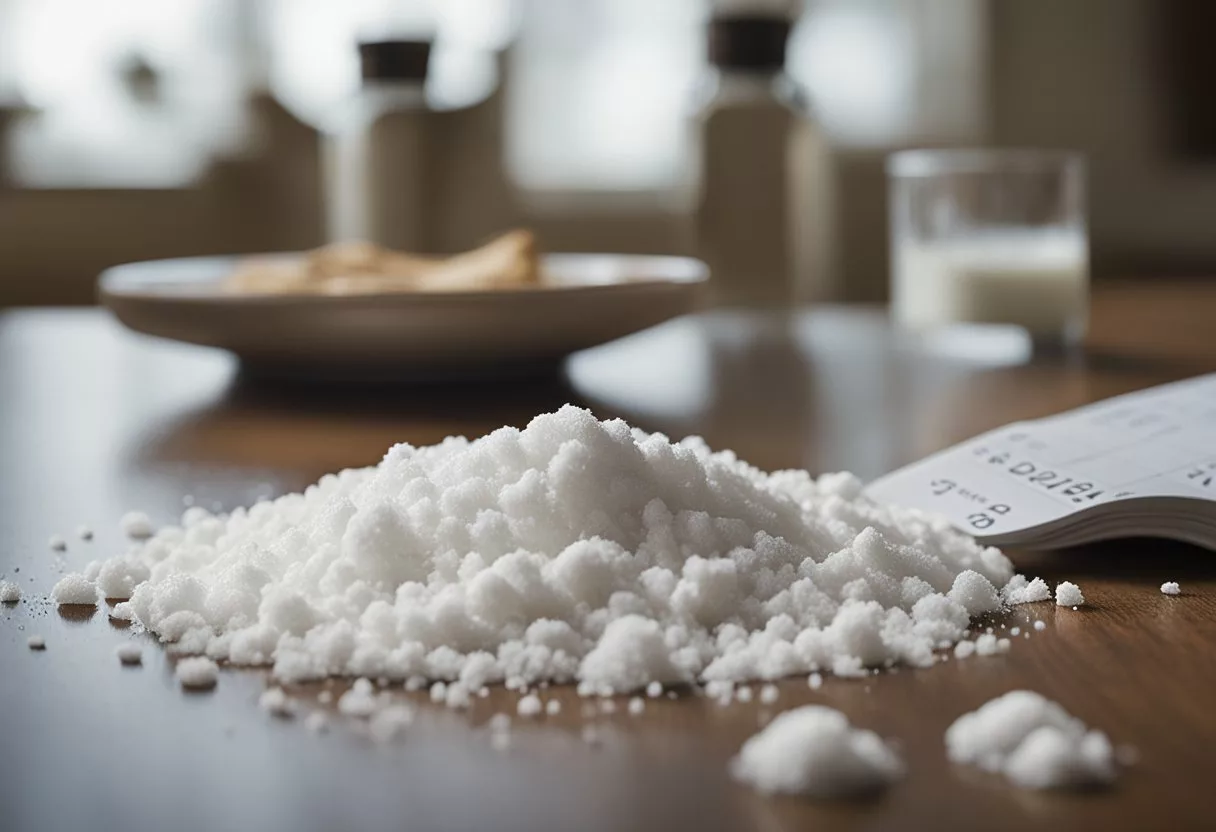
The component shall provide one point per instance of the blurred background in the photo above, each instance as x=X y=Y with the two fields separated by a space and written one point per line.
x=136 y=129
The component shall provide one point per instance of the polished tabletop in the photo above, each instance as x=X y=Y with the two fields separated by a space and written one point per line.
x=95 y=421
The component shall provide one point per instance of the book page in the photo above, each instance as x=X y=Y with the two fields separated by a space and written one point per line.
x=1159 y=442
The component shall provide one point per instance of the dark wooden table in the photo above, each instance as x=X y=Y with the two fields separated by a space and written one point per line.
x=94 y=421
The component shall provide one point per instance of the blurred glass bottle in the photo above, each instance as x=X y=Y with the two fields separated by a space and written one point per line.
x=377 y=170
x=763 y=211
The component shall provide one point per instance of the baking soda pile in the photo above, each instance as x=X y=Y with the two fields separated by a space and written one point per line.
x=573 y=550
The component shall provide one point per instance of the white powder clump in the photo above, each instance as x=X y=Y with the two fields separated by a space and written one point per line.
x=276 y=701
x=529 y=705
x=136 y=525
x=1021 y=591
x=118 y=578
x=196 y=673
x=74 y=588
x=360 y=701
x=571 y=551
x=813 y=751
x=1033 y=742
x=1069 y=594
x=129 y=653
x=122 y=612
x=974 y=593
x=815 y=680
x=10 y=593
x=553 y=707
x=964 y=649
x=1170 y=588
x=389 y=721
x=36 y=643
x=989 y=645
x=458 y=696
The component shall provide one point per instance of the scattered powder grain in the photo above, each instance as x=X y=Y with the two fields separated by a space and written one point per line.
x=1170 y=588
x=10 y=593
x=129 y=653
x=654 y=690
x=74 y=588
x=815 y=680
x=197 y=673
x=36 y=643
x=769 y=694
x=1069 y=594
x=1015 y=631
x=136 y=525
x=317 y=722
x=1040 y=625
x=743 y=694
x=1033 y=742
x=84 y=533
x=553 y=707
x=637 y=705
x=571 y=551
x=814 y=752
x=57 y=543
x=591 y=735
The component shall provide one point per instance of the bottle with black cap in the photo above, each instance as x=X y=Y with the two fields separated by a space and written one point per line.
x=762 y=210
x=378 y=173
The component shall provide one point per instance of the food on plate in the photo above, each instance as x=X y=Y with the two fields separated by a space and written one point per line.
x=361 y=268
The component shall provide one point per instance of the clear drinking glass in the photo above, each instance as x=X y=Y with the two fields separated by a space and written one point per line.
x=990 y=237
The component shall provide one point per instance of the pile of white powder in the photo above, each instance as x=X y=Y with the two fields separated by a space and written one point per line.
x=573 y=550
x=1033 y=742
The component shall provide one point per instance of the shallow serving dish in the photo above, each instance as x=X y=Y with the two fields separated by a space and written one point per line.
x=587 y=299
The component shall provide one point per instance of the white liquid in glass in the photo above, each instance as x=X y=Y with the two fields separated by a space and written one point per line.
x=1034 y=279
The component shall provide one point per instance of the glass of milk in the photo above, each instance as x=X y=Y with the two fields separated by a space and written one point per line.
x=990 y=237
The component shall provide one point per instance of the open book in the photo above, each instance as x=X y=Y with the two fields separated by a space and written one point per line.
x=1142 y=464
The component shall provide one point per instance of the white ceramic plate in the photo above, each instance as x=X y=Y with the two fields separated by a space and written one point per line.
x=587 y=299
